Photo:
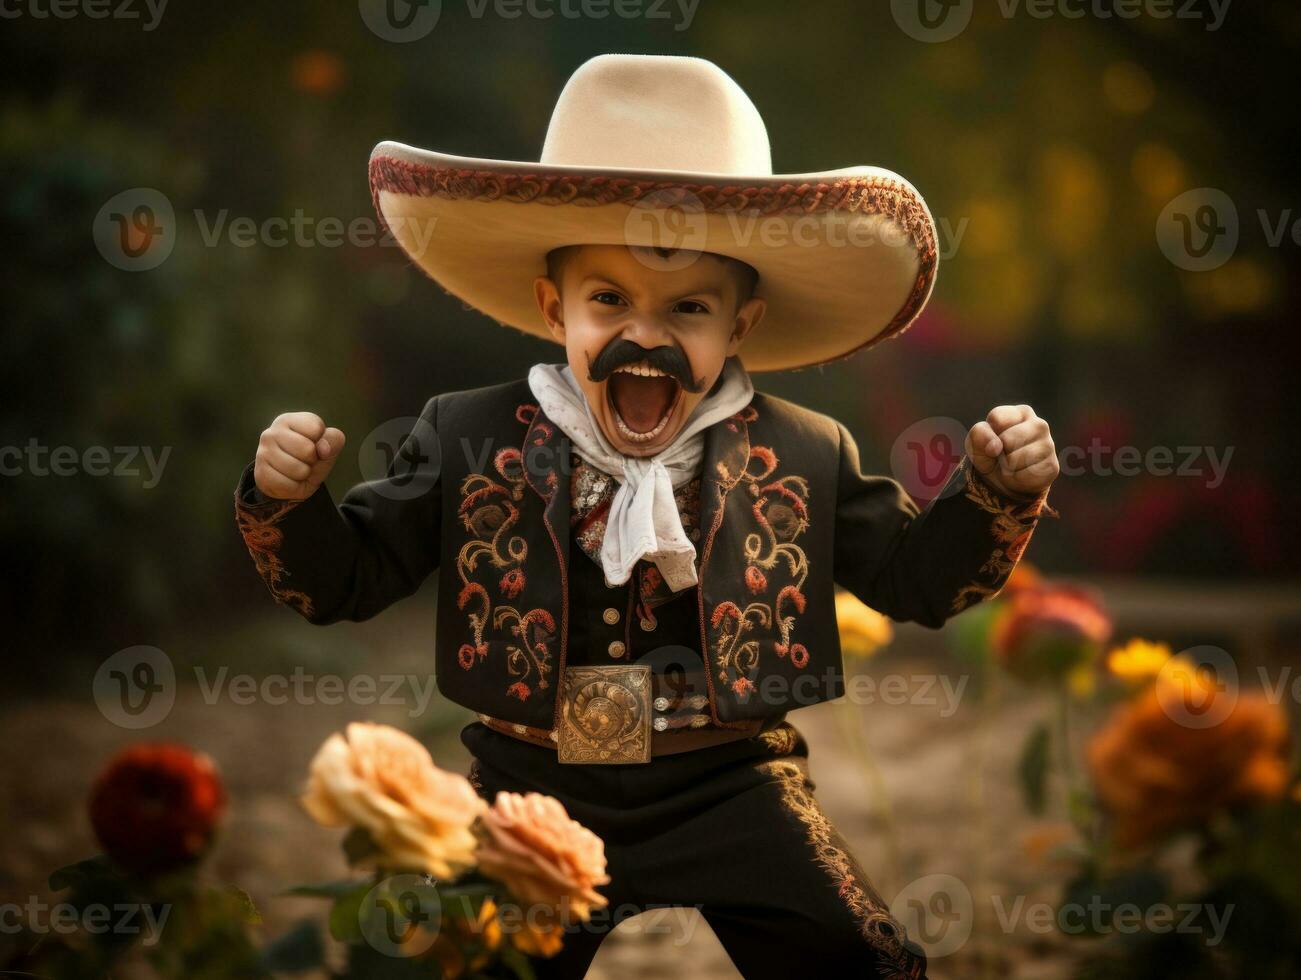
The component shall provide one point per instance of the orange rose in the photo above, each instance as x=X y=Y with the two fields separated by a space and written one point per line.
x=1155 y=771
x=529 y=843
x=385 y=782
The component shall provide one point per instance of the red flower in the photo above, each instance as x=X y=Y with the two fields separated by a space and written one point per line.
x=512 y=583
x=155 y=807
x=755 y=579
x=1046 y=631
x=742 y=687
x=465 y=656
x=519 y=690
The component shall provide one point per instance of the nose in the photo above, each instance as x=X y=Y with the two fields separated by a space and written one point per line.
x=647 y=331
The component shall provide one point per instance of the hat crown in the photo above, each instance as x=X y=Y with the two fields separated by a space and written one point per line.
x=657 y=112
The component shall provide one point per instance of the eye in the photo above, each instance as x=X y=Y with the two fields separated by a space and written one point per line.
x=608 y=297
x=691 y=307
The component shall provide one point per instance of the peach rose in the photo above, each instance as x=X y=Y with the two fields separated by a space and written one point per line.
x=1155 y=773
x=529 y=843
x=385 y=782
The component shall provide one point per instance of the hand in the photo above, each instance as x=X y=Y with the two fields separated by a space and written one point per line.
x=294 y=456
x=1013 y=450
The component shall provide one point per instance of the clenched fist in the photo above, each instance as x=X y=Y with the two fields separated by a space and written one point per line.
x=1014 y=451
x=294 y=455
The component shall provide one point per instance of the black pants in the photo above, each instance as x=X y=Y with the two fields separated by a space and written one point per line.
x=733 y=830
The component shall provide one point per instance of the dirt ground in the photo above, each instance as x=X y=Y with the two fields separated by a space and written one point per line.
x=950 y=779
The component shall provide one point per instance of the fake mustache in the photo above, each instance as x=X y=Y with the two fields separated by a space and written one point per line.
x=620 y=351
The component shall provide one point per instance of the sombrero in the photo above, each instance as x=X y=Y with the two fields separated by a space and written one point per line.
x=669 y=152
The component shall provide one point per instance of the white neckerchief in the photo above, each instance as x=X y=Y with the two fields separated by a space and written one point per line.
x=643 y=520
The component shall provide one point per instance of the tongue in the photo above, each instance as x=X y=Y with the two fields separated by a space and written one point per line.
x=641 y=402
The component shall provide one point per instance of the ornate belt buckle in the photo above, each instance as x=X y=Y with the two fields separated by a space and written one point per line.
x=605 y=714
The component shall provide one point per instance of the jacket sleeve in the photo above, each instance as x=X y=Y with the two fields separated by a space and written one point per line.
x=352 y=561
x=925 y=566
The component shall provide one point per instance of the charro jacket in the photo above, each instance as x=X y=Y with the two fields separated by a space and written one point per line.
x=480 y=490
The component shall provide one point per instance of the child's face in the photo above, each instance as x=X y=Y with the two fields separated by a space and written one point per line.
x=645 y=335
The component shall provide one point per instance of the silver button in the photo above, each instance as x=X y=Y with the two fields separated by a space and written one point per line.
x=617 y=649
x=611 y=616
x=661 y=724
x=661 y=704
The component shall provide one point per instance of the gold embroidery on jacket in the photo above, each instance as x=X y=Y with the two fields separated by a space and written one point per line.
x=1013 y=523
x=489 y=511
x=263 y=539
x=881 y=930
x=780 y=510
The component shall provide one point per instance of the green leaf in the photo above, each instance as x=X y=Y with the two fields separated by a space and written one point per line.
x=345 y=915
x=324 y=889
x=83 y=872
x=516 y=962
x=298 y=950
x=1033 y=768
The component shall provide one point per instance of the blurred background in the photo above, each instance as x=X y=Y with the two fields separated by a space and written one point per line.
x=1078 y=168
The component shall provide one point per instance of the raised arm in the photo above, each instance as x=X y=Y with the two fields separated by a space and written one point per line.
x=925 y=566
x=347 y=562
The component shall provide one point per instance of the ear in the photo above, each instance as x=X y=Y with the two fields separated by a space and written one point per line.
x=747 y=318
x=552 y=310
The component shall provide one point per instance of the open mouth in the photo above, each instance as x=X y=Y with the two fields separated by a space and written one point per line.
x=643 y=398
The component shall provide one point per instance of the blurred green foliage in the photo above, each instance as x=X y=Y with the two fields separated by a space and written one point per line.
x=1046 y=149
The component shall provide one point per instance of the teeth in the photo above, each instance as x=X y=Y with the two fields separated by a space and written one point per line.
x=642 y=370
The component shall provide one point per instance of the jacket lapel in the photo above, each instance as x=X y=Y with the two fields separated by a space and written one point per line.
x=727 y=453
x=546 y=468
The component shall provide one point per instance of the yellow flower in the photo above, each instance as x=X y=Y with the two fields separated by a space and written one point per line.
x=384 y=781
x=1138 y=660
x=478 y=936
x=863 y=630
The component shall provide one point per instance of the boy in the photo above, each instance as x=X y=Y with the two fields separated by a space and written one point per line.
x=637 y=551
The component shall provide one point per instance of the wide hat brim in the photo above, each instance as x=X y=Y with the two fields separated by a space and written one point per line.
x=845 y=258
